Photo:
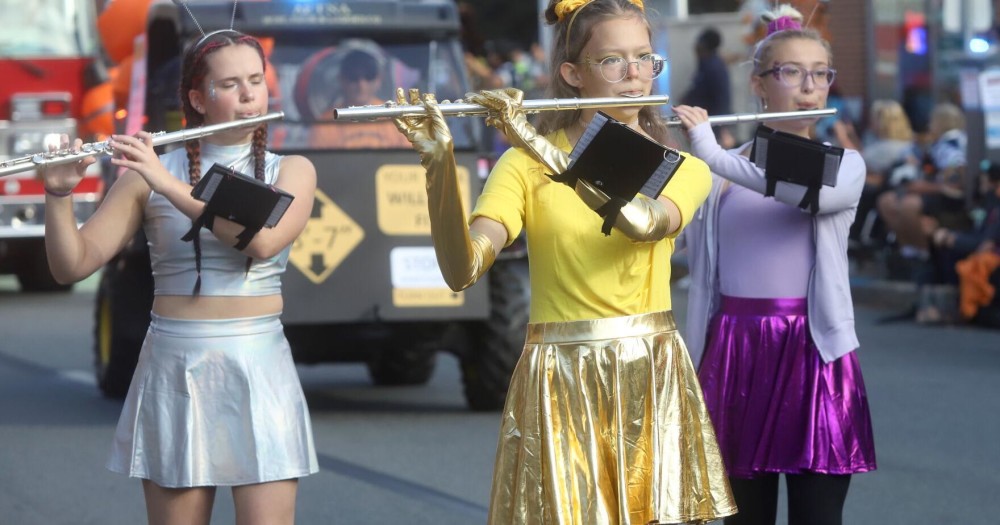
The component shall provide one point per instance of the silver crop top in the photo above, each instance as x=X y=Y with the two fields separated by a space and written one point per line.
x=223 y=268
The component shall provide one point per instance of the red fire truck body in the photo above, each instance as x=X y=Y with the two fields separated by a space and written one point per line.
x=47 y=55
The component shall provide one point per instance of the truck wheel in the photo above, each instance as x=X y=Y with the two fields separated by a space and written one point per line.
x=33 y=271
x=407 y=362
x=121 y=318
x=496 y=344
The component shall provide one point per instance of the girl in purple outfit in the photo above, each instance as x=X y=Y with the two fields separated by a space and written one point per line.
x=770 y=307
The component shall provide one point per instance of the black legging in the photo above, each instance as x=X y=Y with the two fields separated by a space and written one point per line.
x=813 y=499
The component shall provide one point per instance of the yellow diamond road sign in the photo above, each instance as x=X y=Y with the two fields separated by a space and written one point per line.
x=329 y=236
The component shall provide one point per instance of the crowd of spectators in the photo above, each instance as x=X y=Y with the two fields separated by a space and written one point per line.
x=934 y=226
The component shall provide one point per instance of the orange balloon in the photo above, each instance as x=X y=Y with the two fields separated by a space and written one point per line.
x=98 y=107
x=121 y=81
x=270 y=75
x=119 y=24
x=266 y=44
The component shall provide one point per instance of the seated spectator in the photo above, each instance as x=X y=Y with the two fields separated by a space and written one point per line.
x=359 y=81
x=949 y=246
x=891 y=157
x=892 y=145
x=937 y=197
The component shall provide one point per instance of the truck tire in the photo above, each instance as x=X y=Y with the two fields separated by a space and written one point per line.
x=33 y=270
x=496 y=344
x=407 y=361
x=121 y=318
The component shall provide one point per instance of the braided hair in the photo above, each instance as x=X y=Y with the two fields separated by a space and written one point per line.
x=194 y=69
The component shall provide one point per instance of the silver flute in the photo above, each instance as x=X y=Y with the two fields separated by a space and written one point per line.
x=466 y=109
x=160 y=138
x=724 y=120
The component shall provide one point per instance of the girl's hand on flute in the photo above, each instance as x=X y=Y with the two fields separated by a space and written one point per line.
x=507 y=115
x=504 y=107
x=137 y=154
x=60 y=179
x=429 y=132
x=690 y=116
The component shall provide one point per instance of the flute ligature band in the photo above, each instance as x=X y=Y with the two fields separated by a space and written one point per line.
x=65 y=156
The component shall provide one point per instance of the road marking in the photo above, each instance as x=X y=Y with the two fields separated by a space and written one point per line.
x=403 y=487
x=73 y=375
x=85 y=377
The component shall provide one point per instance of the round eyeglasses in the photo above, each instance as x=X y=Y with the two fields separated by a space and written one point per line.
x=793 y=76
x=615 y=69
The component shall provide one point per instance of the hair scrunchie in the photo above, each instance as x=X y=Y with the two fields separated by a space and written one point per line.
x=782 y=23
x=566 y=7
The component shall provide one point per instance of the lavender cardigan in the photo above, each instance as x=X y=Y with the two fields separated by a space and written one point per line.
x=831 y=311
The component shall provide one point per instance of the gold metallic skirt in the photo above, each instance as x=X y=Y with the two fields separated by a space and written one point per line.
x=605 y=424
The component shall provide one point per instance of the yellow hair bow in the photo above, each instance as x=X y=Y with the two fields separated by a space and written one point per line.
x=568 y=6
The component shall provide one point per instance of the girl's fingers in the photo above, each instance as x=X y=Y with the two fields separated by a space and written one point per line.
x=147 y=138
x=691 y=116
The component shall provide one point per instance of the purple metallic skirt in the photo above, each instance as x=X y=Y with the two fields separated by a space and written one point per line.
x=776 y=406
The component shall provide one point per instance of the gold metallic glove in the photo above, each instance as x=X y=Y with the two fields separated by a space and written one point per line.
x=641 y=219
x=463 y=258
x=507 y=115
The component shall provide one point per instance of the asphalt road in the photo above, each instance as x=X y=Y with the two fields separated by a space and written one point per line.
x=417 y=455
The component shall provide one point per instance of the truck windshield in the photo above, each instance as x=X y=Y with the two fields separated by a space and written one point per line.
x=47 y=29
x=313 y=80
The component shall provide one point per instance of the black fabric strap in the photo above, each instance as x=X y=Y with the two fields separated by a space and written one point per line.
x=244 y=238
x=205 y=220
x=810 y=200
x=566 y=177
x=772 y=184
x=610 y=211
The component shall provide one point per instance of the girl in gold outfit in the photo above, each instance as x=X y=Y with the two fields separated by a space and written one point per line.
x=604 y=420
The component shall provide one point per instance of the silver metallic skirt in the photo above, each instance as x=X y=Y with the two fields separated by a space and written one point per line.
x=214 y=402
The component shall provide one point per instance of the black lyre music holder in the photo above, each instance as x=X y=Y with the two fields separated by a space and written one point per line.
x=785 y=157
x=621 y=162
x=236 y=197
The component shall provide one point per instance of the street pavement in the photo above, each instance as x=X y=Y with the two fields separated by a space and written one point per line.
x=417 y=455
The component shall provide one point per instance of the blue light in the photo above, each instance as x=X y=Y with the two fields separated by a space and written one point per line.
x=916 y=41
x=979 y=45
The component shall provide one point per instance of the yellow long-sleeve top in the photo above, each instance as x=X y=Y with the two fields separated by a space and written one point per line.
x=576 y=271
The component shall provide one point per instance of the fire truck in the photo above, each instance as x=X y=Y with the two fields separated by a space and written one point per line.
x=48 y=63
